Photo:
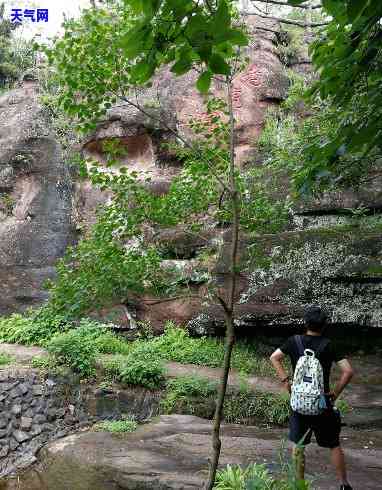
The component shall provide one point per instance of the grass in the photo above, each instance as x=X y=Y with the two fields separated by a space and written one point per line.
x=126 y=424
x=176 y=345
x=184 y=389
x=79 y=345
x=195 y=395
x=6 y=359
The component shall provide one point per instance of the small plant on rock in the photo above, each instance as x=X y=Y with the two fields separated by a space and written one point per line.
x=126 y=424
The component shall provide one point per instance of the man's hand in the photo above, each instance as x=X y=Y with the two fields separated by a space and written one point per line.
x=276 y=359
x=287 y=385
x=346 y=375
x=333 y=396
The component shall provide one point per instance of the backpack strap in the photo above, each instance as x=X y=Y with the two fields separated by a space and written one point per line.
x=322 y=346
x=300 y=345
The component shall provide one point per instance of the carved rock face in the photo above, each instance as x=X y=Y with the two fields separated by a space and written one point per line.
x=35 y=197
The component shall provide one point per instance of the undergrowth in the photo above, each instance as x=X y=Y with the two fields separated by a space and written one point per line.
x=116 y=426
x=256 y=477
x=195 y=395
x=79 y=344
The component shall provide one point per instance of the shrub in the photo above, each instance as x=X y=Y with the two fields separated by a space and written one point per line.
x=192 y=385
x=113 y=365
x=256 y=477
x=176 y=345
x=236 y=478
x=35 y=327
x=125 y=425
x=273 y=408
x=109 y=343
x=149 y=373
x=73 y=349
x=186 y=387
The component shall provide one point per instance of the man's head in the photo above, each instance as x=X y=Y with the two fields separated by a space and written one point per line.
x=315 y=319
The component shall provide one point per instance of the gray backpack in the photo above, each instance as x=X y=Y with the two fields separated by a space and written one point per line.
x=307 y=396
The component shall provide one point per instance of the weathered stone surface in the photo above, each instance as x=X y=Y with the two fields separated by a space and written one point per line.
x=158 y=311
x=26 y=423
x=172 y=454
x=23 y=423
x=21 y=436
x=35 y=229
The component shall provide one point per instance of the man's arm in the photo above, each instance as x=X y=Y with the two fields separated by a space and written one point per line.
x=276 y=360
x=347 y=373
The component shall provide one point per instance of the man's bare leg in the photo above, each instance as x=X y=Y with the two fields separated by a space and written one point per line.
x=299 y=461
x=338 y=460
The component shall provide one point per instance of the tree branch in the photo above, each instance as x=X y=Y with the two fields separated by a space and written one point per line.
x=287 y=21
x=285 y=4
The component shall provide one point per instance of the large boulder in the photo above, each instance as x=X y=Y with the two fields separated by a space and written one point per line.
x=35 y=200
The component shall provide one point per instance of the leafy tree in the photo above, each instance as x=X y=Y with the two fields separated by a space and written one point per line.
x=106 y=56
x=8 y=69
x=347 y=56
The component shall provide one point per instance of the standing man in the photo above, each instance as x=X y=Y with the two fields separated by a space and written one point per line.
x=326 y=426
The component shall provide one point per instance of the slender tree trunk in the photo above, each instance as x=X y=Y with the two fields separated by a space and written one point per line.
x=228 y=302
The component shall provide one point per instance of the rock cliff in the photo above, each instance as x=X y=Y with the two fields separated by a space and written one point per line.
x=38 y=201
x=35 y=200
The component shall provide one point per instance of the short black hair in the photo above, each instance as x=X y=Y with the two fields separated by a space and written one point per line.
x=315 y=318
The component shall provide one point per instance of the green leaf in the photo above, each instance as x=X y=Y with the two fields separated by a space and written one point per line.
x=133 y=42
x=150 y=7
x=237 y=37
x=222 y=19
x=183 y=65
x=142 y=72
x=204 y=82
x=218 y=65
x=295 y=2
x=356 y=8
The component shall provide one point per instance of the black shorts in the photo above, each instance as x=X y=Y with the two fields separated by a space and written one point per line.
x=326 y=428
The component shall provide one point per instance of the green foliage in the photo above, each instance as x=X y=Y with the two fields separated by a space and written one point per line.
x=176 y=345
x=33 y=328
x=99 y=270
x=347 y=56
x=237 y=478
x=256 y=477
x=7 y=204
x=135 y=39
x=185 y=387
x=6 y=359
x=116 y=426
x=274 y=409
x=143 y=371
x=16 y=54
x=103 y=268
x=75 y=350
x=343 y=406
x=44 y=362
x=8 y=70
x=297 y=147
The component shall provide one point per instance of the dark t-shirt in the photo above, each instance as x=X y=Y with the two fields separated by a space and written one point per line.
x=327 y=356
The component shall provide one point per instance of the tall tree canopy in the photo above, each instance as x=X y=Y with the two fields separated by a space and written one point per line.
x=348 y=57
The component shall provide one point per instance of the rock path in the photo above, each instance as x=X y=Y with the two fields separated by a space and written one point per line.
x=171 y=453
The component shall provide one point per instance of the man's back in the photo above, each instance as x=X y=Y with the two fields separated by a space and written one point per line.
x=326 y=426
x=327 y=356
